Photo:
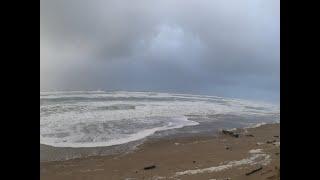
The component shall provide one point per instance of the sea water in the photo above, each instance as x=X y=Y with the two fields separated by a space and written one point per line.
x=82 y=119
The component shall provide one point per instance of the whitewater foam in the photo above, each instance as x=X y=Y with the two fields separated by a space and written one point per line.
x=179 y=123
x=97 y=118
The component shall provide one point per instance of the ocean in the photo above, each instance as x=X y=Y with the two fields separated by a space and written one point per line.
x=98 y=119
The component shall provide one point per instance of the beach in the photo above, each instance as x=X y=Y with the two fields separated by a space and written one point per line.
x=248 y=153
x=181 y=90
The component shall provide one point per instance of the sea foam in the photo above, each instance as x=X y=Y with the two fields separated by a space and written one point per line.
x=98 y=118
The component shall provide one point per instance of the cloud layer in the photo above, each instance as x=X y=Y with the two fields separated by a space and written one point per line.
x=222 y=47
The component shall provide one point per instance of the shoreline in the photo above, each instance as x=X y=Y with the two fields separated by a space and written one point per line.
x=199 y=157
x=49 y=153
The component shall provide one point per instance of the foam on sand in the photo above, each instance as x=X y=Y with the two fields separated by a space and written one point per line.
x=256 y=157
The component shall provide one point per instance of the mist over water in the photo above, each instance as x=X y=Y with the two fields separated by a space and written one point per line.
x=98 y=118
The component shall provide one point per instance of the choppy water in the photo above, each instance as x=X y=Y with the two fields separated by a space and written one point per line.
x=97 y=118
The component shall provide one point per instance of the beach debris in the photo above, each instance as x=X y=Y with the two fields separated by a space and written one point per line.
x=259 y=143
x=176 y=144
x=276 y=136
x=249 y=135
x=276 y=144
x=271 y=141
x=194 y=162
x=253 y=171
x=228 y=148
x=149 y=167
x=230 y=133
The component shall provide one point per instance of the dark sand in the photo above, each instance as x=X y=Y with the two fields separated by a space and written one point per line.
x=220 y=157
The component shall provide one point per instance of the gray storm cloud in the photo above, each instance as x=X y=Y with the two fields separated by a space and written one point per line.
x=221 y=47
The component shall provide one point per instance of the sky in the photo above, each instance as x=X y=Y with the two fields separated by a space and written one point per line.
x=226 y=48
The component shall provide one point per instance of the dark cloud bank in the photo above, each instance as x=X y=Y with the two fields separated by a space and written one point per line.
x=222 y=47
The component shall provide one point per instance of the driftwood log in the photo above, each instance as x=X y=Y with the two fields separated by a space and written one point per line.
x=253 y=171
x=149 y=167
x=230 y=133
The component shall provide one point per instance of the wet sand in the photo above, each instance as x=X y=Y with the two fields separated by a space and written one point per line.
x=213 y=157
